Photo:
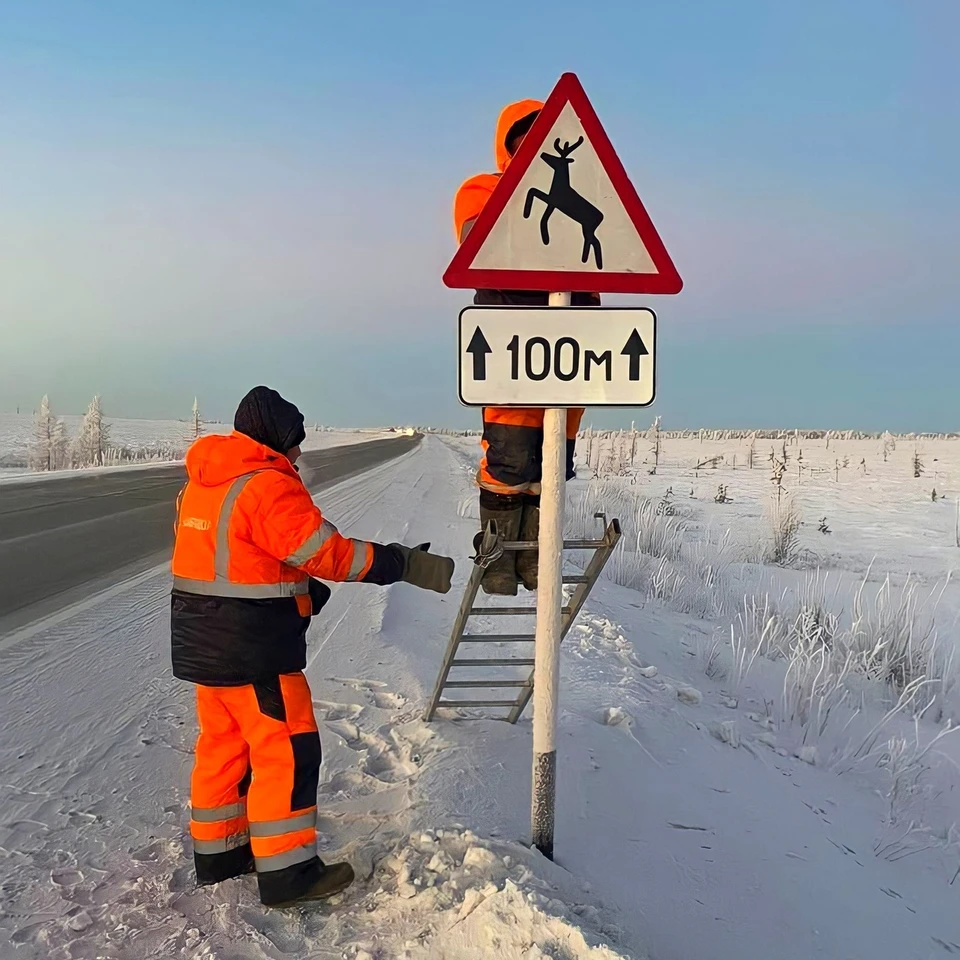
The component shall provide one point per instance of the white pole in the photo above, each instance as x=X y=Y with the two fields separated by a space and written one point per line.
x=549 y=601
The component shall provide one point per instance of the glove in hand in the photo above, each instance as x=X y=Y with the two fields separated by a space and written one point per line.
x=426 y=570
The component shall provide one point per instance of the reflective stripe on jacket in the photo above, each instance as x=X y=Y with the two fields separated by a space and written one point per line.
x=248 y=528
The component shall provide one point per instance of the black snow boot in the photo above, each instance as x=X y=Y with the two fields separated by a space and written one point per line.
x=527 y=560
x=217 y=867
x=500 y=577
x=333 y=878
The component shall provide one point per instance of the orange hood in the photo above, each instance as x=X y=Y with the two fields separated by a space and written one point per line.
x=509 y=115
x=475 y=192
x=217 y=459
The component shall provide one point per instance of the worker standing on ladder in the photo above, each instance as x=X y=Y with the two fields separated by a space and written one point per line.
x=510 y=469
x=249 y=543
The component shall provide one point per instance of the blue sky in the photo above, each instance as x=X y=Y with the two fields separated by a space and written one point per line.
x=198 y=197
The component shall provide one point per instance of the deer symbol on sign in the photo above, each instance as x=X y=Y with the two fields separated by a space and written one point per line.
x=564 y=198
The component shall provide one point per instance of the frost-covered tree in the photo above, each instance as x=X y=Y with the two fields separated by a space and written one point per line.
x=38 y=456
x=59 y=446
x=90 y=447
x=196 y=420
x=48 y=447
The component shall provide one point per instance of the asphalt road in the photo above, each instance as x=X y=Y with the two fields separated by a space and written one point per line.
x=62 y=537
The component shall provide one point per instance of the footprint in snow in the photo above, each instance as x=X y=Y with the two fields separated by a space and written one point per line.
x=359 y=684
x=66 y=878
x=389 y=701
x=337 y=711
x=386 y=762
x=350 y=782
x=689 y=695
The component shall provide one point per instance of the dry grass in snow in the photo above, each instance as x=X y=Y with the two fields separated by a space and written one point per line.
x=825 y=567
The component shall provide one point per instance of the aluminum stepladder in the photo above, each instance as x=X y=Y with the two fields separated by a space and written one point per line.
x=490 y=549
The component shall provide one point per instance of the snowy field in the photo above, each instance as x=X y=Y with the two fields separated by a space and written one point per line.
x=740 y=777
x=146 y=440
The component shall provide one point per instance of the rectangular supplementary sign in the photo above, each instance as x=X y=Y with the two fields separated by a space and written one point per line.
x=557 y=356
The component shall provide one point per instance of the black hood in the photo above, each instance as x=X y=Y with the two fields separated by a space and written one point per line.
x=264 y=416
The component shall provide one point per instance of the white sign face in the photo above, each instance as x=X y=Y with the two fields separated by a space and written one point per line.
x=557 y=356
x=565 y=214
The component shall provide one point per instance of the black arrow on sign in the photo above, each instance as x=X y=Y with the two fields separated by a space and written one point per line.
x=480 y=348
x=635 y=349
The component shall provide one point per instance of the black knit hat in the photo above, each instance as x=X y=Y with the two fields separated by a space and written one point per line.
x=264 y=416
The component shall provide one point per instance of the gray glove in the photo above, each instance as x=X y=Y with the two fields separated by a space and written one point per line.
x=426 y=570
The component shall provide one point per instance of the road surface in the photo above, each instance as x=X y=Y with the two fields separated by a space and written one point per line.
x=62 y=537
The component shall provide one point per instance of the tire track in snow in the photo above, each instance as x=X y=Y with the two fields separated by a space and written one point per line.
x=90 y=767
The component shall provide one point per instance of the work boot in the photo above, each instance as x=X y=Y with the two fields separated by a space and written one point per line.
x=241 y=872
x=217 y=867
x=527 y=560
x=335 y=877
x=500 y=578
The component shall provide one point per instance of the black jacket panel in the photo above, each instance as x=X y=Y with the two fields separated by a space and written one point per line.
x=227 y=642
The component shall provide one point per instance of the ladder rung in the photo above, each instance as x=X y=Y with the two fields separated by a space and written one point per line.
x=508 y=611
x=495 y=662
x=501 y=611
x=487 y=683
x=476 y=703
x=496 y=637
x=579 y=578
x=511 y=545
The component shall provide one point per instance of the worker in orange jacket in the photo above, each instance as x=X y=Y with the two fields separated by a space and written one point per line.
x=510 y=469
x=251 y=551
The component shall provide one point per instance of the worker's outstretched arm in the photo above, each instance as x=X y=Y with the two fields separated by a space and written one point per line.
x=290 y=527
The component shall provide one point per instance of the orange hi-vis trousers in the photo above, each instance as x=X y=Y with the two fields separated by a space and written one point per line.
x=254 y=786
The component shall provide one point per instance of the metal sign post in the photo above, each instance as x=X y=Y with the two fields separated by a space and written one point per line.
x=546 y=669
x=563 y=216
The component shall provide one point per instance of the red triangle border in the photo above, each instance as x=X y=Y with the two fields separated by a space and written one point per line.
x=666 y=280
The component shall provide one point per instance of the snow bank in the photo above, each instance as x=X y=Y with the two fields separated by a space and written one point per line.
x=448 y=893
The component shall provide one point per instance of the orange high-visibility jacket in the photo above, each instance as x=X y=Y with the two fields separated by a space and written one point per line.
x=247 y=527
x=248 y=539
x=512 y=437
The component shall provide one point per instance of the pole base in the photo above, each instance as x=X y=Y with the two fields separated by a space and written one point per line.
x=544 y=799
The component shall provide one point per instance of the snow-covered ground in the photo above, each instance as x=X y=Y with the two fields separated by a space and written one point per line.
x=154 y=440
x=693 y=822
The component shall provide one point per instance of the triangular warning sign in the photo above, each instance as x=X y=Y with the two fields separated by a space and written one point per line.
x=564 y=215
